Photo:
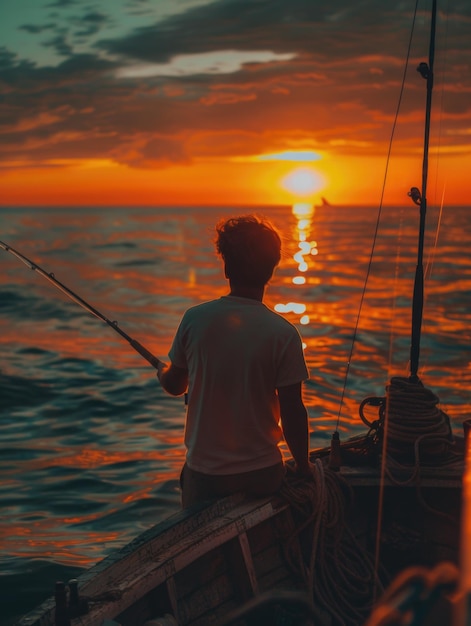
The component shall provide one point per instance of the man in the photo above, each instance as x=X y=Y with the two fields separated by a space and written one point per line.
x=243 y=365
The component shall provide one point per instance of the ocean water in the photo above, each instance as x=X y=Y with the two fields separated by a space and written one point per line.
x=90 y=446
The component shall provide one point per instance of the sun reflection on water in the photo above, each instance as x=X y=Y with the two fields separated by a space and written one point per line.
x=307 y=248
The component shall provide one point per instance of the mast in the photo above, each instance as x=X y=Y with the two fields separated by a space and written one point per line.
x=420 y=198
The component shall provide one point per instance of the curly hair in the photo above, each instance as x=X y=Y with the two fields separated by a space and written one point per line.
x=250 y=247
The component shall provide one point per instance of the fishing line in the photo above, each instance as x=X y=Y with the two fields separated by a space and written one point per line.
x=49 y=276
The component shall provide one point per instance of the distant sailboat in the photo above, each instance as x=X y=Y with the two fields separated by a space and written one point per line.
x=324 y=203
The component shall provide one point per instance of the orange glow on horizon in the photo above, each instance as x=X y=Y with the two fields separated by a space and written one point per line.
x=343 y=179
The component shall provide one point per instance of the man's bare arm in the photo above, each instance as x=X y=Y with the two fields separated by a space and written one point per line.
x=294 y=421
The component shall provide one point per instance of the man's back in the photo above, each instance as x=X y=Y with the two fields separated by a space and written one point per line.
x=243 y=366
x=237 y=352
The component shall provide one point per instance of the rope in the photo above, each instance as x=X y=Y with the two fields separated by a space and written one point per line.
x=418 y=431
x=338 y=571
x=412 y=429
x=418 y=434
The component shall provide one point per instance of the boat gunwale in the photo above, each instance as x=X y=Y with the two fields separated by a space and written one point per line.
x=217 y=524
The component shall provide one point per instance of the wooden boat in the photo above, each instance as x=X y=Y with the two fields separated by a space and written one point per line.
x=320 y=552
x=201 y=565
x=307 y=556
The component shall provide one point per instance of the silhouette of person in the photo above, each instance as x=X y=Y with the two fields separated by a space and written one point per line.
x=243 y=365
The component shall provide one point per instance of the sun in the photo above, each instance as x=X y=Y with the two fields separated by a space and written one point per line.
x=303 y=181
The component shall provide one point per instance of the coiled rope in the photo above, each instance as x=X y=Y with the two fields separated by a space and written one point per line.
x=338 y=570
x=412 y=433
x=412 y=428
x=418 y=431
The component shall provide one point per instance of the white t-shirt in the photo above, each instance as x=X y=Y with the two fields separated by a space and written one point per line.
x=237 y=352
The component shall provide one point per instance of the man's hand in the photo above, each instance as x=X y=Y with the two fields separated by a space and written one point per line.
x=161 y=368
x=172 y=378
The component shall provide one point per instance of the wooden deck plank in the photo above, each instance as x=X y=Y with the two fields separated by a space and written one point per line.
x=172 y=594
x=248 y=562
x=206 y=599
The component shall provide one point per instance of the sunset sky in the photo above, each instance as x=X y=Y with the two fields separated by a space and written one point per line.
x=229 y=102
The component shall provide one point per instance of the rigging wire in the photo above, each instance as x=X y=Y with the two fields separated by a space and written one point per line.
x=433 y=249
x=420 y=198
x=380 y=508
x=414 y=413
x=380 y=209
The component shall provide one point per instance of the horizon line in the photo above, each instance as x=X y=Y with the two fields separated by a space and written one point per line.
x=217 y=205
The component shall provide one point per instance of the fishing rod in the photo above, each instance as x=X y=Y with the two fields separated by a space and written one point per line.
x=153 y=360
x=419 y=197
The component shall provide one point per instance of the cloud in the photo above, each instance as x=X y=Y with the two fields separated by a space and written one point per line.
x=91 y=23
x=223 y=79
x=292 y=155
x=35 y=29
x=159 y=151
x=62 y=4
x=328 y=30
x=215 y=62
x=61 y=46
